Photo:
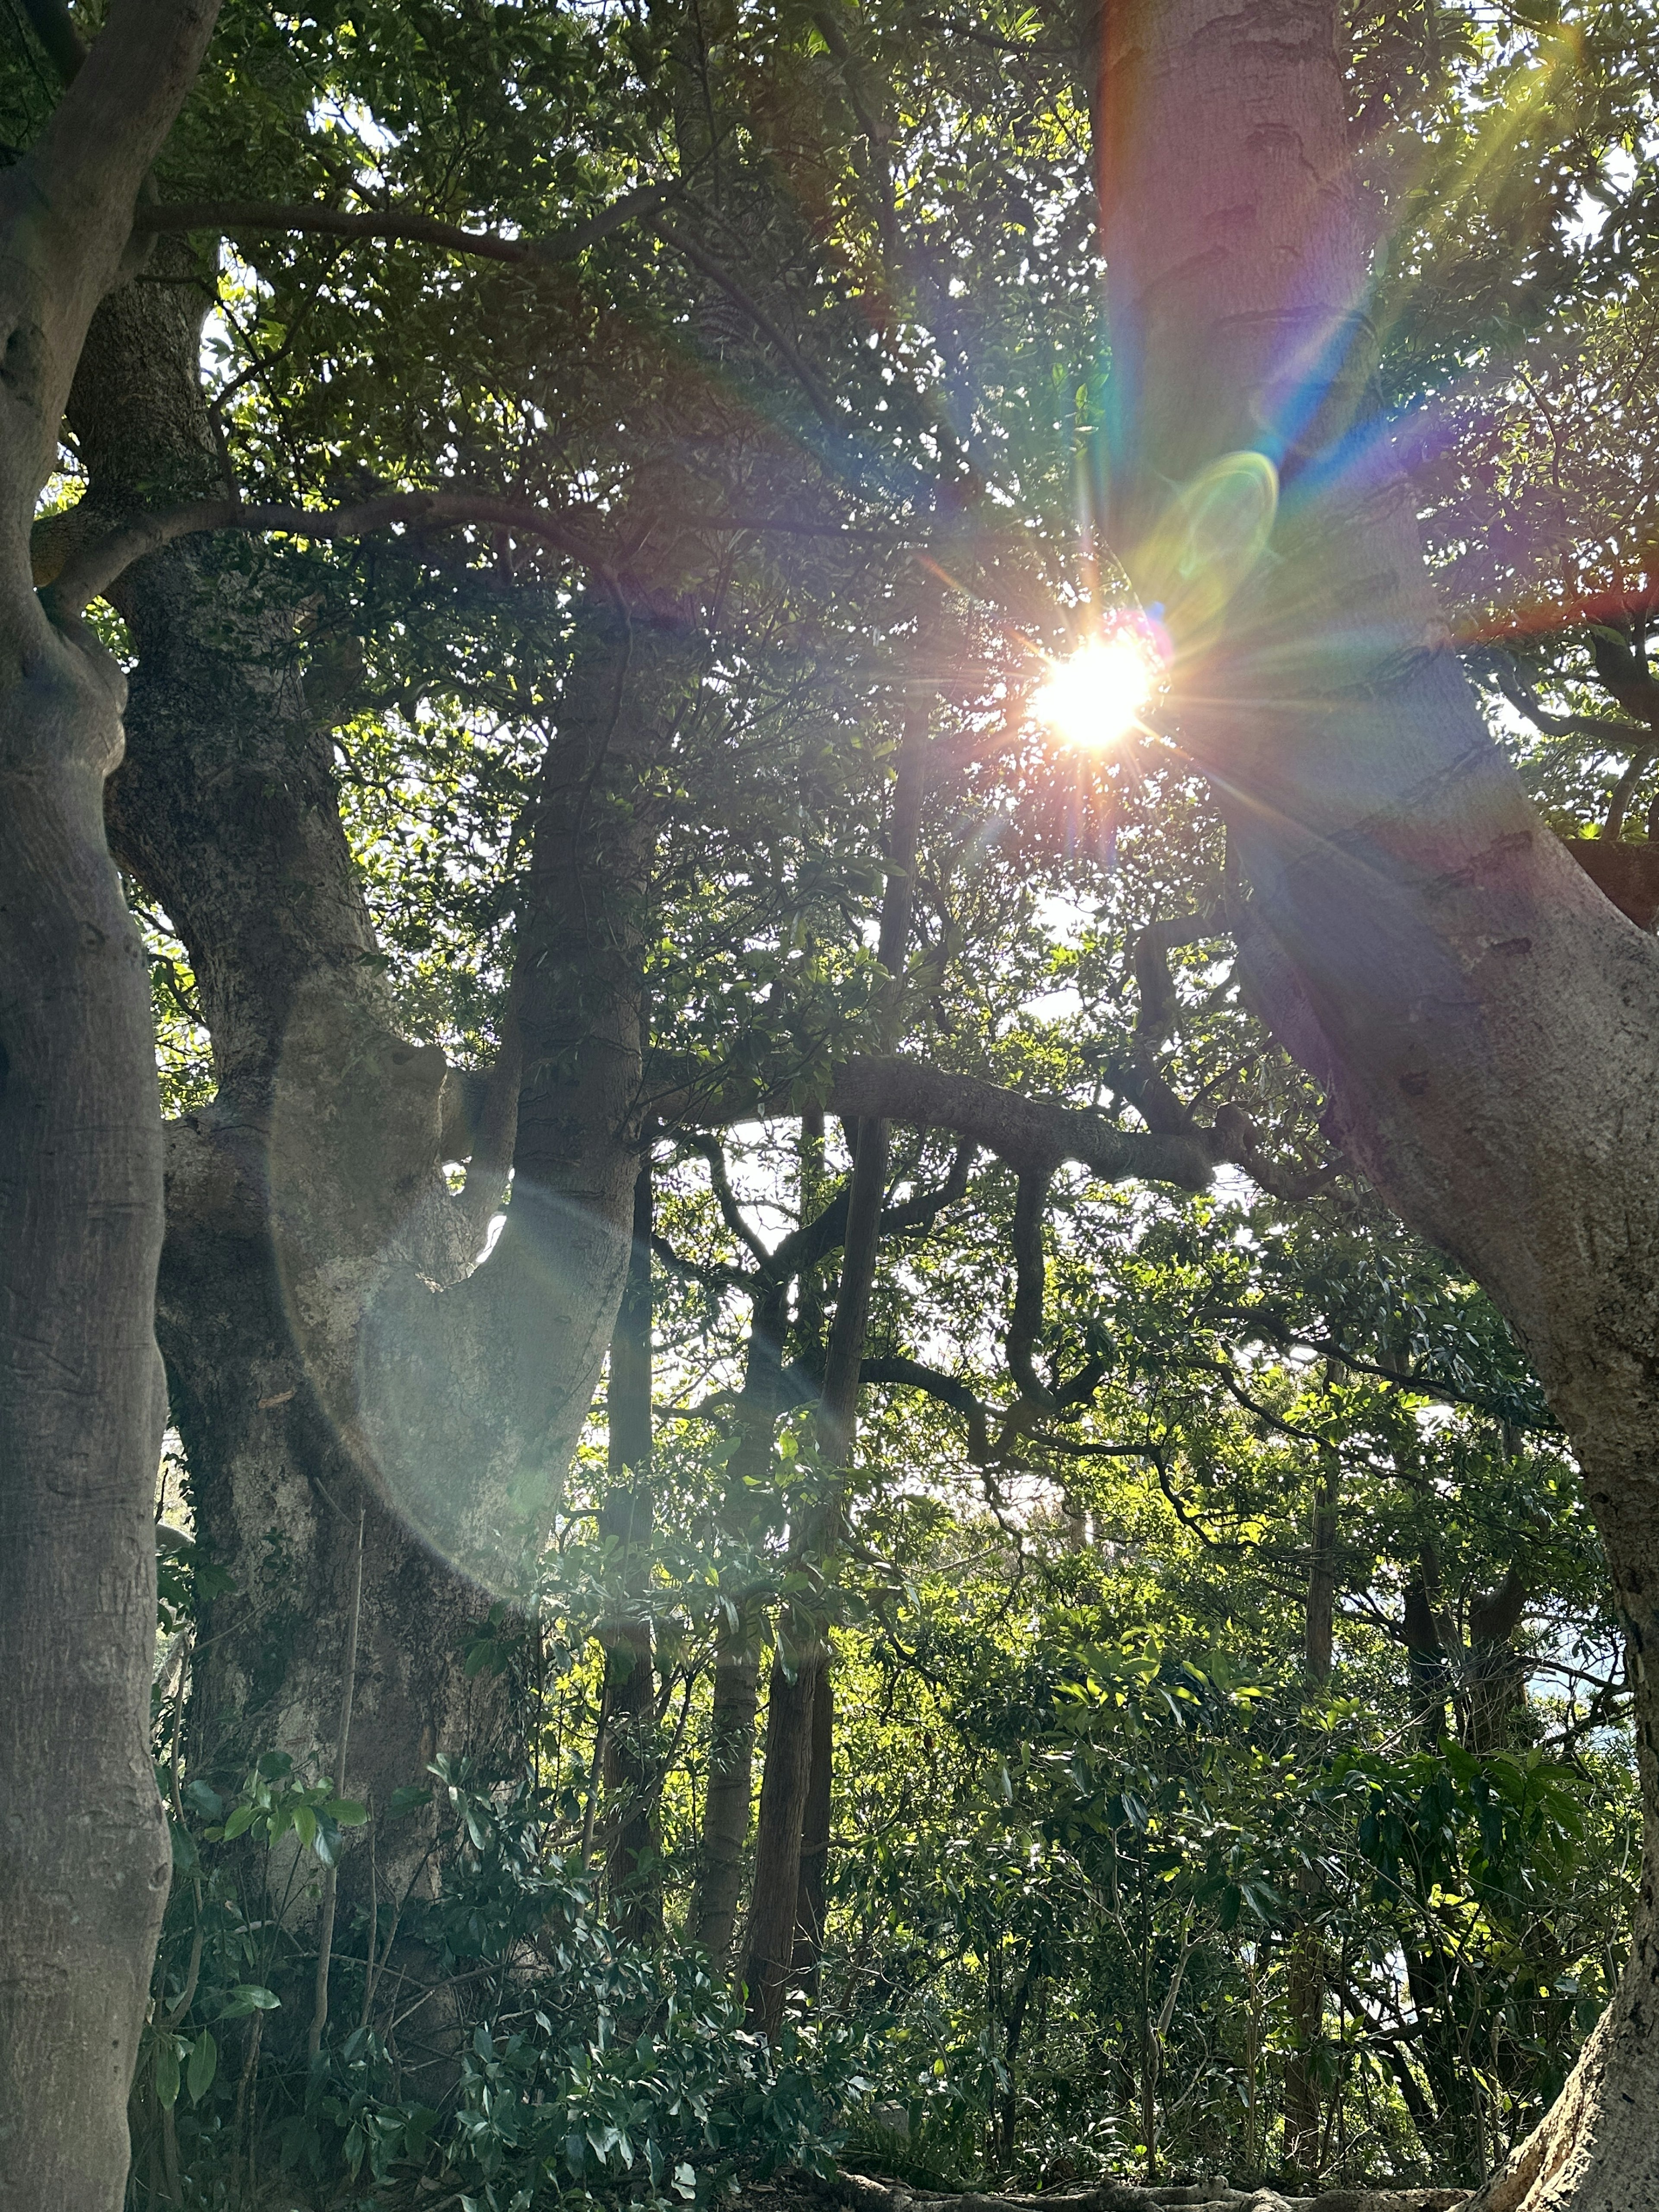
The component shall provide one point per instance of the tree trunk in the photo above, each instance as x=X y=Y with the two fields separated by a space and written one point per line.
x=811 y=1896
x=83 y=1851
x=225 y=811
x=791 y=1696
x=633 y=1875
x=1495 y=1678
x=791 y=1708
x=1482 y=1020
x=1305 y=1976
x=728 y=1798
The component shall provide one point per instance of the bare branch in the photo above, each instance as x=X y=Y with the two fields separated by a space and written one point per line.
x=713 y=1153
x=776 y=335
x=1523 y=697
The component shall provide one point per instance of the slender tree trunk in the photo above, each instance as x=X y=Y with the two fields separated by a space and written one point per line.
x=1495 y=1682
x=1013 y=2032
x=83 y=1853
x=1414 y=935
x=633 y=1875
x=1305 y=1976
x=813 y=1894
x=728 y=1799
x=792 y=1702
x=792 y=1697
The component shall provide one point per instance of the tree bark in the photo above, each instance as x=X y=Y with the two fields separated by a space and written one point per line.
x=633 y=1875
x=792 y=1697
x=308 y=1217
x=1482 y=1020
x=813 y=1894
x=83 y=1851
x=728 y=1798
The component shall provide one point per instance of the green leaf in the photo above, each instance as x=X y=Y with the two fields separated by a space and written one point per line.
x=346 y=1812
x=249 y=1996
x=240 y=1822
x=203 y=2065
x=305 y=1824
x=167 y=2070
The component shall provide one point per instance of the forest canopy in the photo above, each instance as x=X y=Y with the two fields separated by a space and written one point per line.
x=828 y=842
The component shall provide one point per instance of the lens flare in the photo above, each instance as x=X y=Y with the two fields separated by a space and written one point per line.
x=1098 y=696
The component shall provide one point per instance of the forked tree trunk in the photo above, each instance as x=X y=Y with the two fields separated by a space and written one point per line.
x=1485 y=1023
x=84 y=1852
x=225 y=812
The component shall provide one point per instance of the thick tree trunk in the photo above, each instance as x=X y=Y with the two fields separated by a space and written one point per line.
x=1483 y=1021
x=83 y=1853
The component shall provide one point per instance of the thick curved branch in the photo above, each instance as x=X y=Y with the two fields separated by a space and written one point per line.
x=1141 y=1081
x=1033 y=1134
x=90 y=570
x=1623 y=672
x=949 y=1390
x=249 y=218
x=1523 y=697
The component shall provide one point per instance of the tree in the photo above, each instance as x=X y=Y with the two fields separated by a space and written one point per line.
x=683 y=951
x=1415 y=937
x=81 y=1402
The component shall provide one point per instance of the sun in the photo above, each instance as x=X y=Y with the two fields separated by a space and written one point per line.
x=1099 y=694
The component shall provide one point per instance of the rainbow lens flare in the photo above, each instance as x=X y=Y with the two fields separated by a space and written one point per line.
x=1097 y=695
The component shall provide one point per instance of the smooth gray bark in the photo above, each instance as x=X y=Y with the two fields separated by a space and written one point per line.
x=83 y=1854
x=1484 y=1022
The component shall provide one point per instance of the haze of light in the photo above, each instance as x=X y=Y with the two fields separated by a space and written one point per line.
x=1097 y=696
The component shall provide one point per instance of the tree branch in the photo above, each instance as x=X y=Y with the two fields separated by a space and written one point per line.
x=1029 y=1133
x=949 y=1390
x=90 y=570
x=1523 y=697
x=1025 y=1322
x=254 y=217
x=823 y=405
x=53 y=24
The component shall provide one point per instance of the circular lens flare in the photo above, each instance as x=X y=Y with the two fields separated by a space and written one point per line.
x=1097 y=695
